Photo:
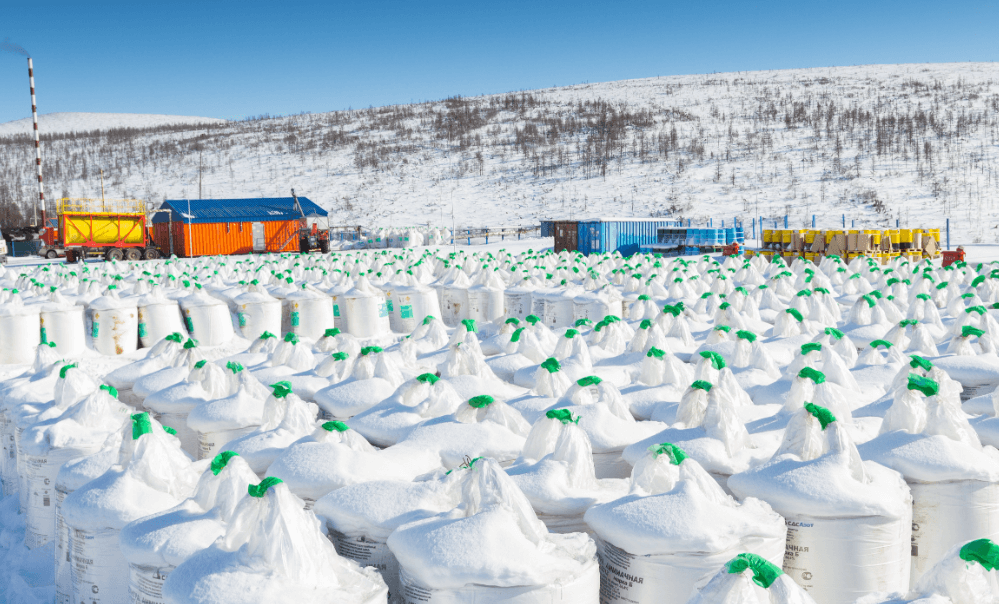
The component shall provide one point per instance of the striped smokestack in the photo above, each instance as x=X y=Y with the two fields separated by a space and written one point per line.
x=38 y=148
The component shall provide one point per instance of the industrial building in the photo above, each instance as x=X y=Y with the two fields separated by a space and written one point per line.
x=208 y=227
x=598 y=235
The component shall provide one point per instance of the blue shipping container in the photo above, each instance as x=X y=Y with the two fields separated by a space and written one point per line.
x=23 y=248
x=621 y=235
x=547 y=228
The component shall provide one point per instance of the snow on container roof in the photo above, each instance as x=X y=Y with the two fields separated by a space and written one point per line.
x=260 y=209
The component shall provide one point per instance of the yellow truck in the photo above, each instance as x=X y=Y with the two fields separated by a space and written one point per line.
x=113 y=228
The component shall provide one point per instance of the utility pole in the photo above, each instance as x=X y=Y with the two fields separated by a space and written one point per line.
x=200 y=167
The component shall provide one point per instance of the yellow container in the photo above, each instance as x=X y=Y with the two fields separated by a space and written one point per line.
x=768 y=235
x=875 y=237
x=936 y=234
x=893 y=234
x=810 y=237
x=78 y=229
x=905 y=236
x=786 y=235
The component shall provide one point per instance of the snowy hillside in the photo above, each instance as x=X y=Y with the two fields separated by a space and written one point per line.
x=880 y=142
x=63 y=123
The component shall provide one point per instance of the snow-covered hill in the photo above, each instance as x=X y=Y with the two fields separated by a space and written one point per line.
x=66 y=122
x=918 y=143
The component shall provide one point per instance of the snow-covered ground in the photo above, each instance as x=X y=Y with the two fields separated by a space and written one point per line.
x=68 y=122
x=876 y=143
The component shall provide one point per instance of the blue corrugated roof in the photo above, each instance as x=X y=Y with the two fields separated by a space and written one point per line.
x=257 y=209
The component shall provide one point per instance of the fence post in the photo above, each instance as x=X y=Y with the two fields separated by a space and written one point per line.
x=844 y=221
x=469 y=233
x=785 y=221
x=948 y=234
x=813 y=221
x=896 y=223
x=853 y=223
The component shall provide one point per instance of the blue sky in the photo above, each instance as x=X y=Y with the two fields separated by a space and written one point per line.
x=237 y=59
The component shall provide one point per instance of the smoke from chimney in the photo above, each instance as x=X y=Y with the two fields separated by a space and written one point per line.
x=17 y=49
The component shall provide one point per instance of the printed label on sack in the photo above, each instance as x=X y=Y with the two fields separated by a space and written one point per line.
x=336 y=310
x=44 y=336
x=294 y=318
x=95 y=330
x=142 y=330
x=145 y=584
x=618 y=582
x=406 y=311
x=242 y=319
x=799 y=561
x=190 y=325
x=382 y=310
x=63 y=569
x=369 y=553
x=40 y=479
x=97 y=564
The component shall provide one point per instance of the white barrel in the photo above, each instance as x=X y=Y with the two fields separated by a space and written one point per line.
x=309 y=314
x=145 y=583
x=97 y=567
x=582 y=589
x=411 y=304
x=838 y=560
x=517 y=302
x=945 y=514
x=454 y=304
x=210 y=443
x=20 y=332
x=367 y=552
x=667 y=578
x=207 y=319
x=178 y=421
x=114 y=325
x=66 y=327
x=553 y=308
x=592 y=306
x=367 y=311
x=485 y=303
x=156 y=321
x=258 y=312
x=41 y=472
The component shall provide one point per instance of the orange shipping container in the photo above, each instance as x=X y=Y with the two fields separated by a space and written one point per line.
x=225 y=238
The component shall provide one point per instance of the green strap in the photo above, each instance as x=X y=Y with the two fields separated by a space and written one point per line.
x=516 y=321
x=571 y=333
x=927 y=386
x=340 y=356
x=267 y=335
x=811 y=347
x=716 y=359
x=813 y=374
x=427 y=319
x=516 y=334
x=835 y=333
x=370 y=349
x=725 y=328
x=335 y=426
x=562 y=415
x=582 y=322
x=590 y=380
x=110 y=390
x=907 y=323
x=551 y=365
x=427 y=378
x=968 y=331
x=918 y=361
x=141 y=425
x=876 y=343
x=170 y=430
x=532 y=319
x=65 y=369
x=822 y=414
x=281 y=389
x=222 y=460
x=481 y=401
x=469 y=325
x=233 y=367
x=291 y=337
x=190 y=343
x=744 y=334
x=200 y=363
x=924 y=297
x=796 y=314
x=655 y=353
x=702 y=385
x=764 y=572
x=982 y=551
x=676 y=454
x=332 y=333
x=258 y=490
x=175 y=337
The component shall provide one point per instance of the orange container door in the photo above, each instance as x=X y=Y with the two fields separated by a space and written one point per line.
x=282 y=236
